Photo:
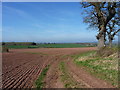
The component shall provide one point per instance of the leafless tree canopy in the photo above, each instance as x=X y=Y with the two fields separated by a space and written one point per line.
x=104 y=16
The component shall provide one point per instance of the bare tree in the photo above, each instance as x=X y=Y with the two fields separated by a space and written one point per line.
x=99 y=14
x=112 y=30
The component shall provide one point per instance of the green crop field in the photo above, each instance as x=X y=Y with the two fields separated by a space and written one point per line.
x=20 y=46
x=62 y=45
x=49 y=46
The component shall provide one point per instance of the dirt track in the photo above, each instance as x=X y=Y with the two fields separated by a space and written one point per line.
x=21 y=67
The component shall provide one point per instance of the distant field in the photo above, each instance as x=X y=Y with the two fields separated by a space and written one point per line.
x=49 y=46
x=20 y=46
x=62 y=45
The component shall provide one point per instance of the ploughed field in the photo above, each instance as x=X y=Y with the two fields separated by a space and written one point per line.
x=22 y=67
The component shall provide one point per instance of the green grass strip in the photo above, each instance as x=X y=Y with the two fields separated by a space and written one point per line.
x=65 y=77
x=40 y=81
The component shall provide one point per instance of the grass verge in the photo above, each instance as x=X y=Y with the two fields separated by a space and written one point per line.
x=105 y=68
x=40 y=81
x=66 y=78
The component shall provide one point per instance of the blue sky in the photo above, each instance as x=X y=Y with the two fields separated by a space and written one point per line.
x=45 y=22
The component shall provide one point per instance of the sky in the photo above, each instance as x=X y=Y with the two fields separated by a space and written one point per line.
x=58 y=22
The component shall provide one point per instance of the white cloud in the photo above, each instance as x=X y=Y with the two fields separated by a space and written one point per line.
x=19 y=12
x=38 y=25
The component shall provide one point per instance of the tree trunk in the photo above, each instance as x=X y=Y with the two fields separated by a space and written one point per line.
x=101 y=42
x=110 y=43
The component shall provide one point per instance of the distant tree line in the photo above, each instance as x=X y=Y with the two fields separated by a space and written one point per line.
x=19 y=43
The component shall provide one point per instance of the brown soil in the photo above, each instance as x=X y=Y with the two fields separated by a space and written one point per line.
x=21 y=68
